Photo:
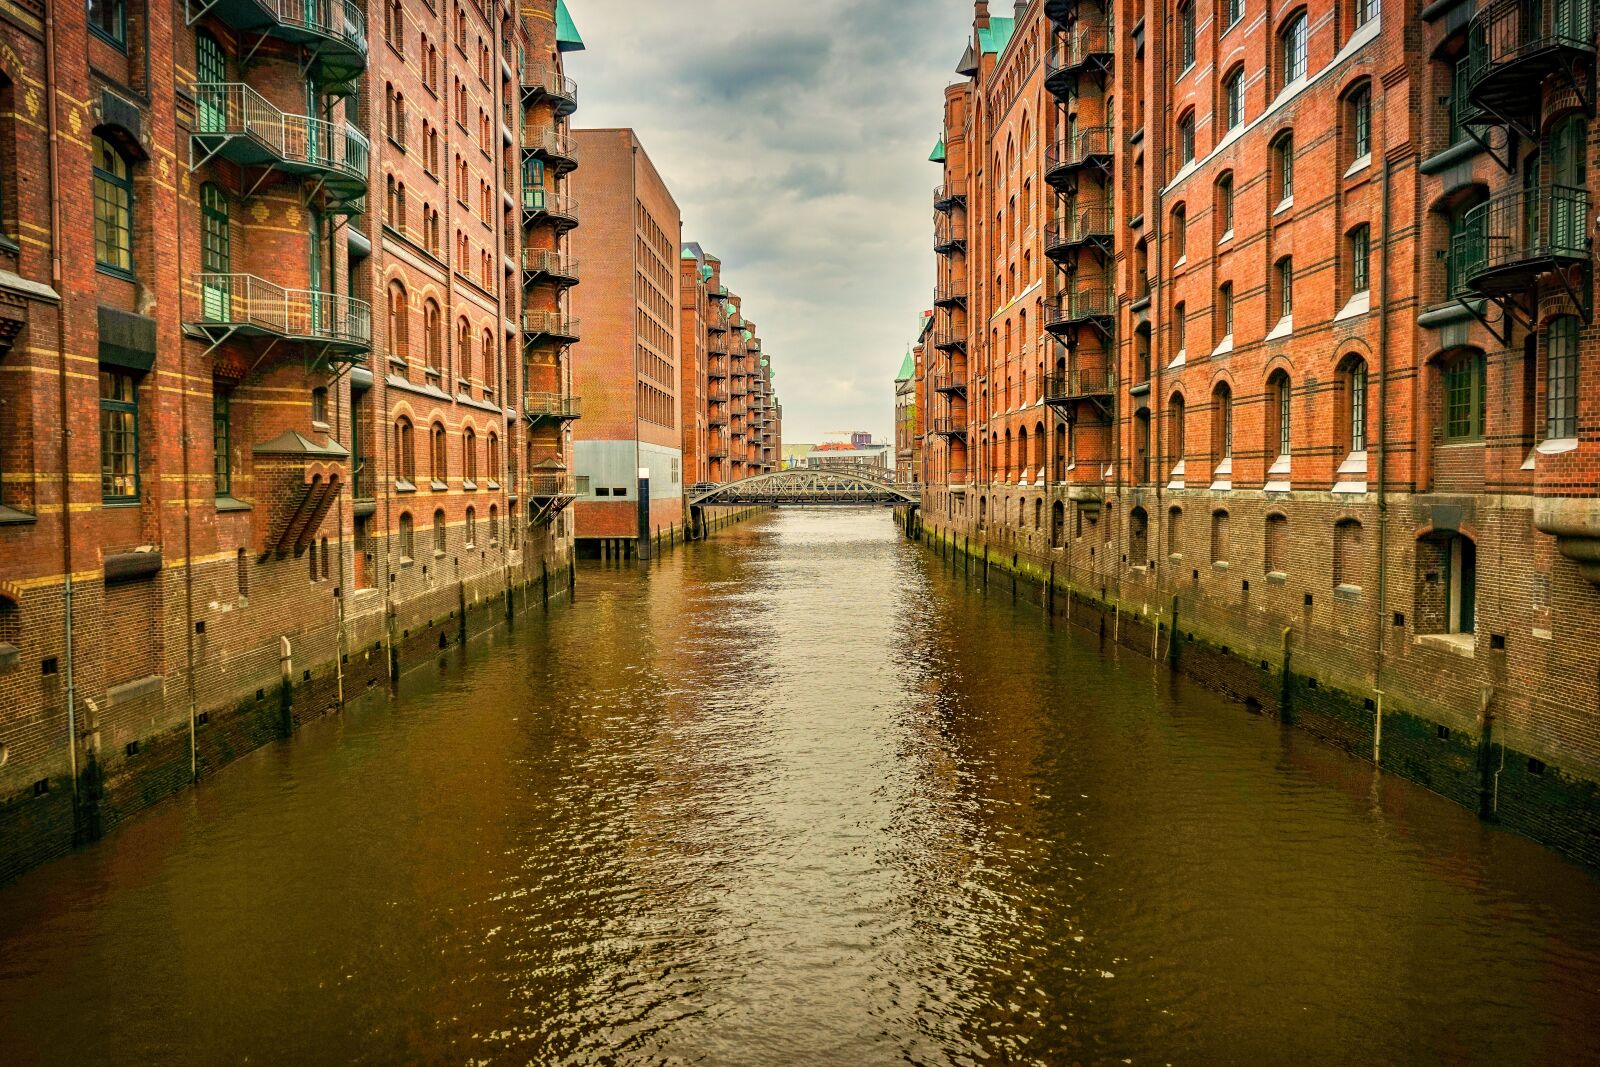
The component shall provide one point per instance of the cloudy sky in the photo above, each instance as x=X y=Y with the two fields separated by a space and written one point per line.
x=794 y=135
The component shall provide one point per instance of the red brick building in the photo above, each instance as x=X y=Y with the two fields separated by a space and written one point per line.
x=628 y=367
x=286 y=392
x=1266 y=318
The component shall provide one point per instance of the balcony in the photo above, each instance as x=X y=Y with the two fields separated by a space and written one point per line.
x=1097 y=384
x=247 y=306
x=1509 y=240
x=555 y=407
x=950 y=235
x=1514 y=45
x=542 y=83
x=559 y=210
x=947 y=338
x=1085 y=48
x=1093 y=307
x=951 y=293
x=1091 y=147
x=949 y=384
x=950 y=196
x=716 y=369
x=948 y=426
x=1082 y=227
x=559 y=151
x=238 y=124
x=548 y=326
x=551 y=485
x=545 y=265
x=334 y=32
x=1059 y=11
x=717 y=417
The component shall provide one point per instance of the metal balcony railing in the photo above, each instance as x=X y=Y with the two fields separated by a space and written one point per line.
x=949 y=196
x=245 y=303
x=1090 y=146
x=335 y=31
x=1085 y=47
x=1081 y=384
x=541 y=205
x=717 y=368
x=548 y=485
x=544 y=263
x=948 y=383
x=540 y=82
x=950 y=292
x=1081 y=226
x=552 y=406
x=948 y=425
x=1508 y=240
x=1513 y=45
x=558 y=150
x=551 y=325
x=950 y=234
x=949 y=338
x=1084 y=305
x=236 y=123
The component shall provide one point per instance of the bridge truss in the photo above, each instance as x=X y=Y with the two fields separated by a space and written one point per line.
x=804 y=487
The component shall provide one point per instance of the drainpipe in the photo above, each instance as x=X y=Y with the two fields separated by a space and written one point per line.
x=1383 y=464
x=56 y=280
x=188 y=502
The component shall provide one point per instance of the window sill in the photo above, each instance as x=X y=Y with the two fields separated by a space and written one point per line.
x=1284 y=328
x=1277 y=577
x=1224 y=346
x=114 y=272
x=1557 y=446
x=438 y=487
x=120 y=502
x=1462 y=645
x=469 y=486
x=1227 y=235
x=1283 y=205
x=228 y=503
x=1347 y=592
x=492 y=485
x=1356 y=306
x=403 y=486
x=1359 y=165
x=1179 y=360
x=8 y=245
x=13 y=517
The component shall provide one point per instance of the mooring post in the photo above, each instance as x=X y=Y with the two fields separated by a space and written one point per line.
x=1286 y=682
x=285 y=687
x=1172 y=638
x=461 y=608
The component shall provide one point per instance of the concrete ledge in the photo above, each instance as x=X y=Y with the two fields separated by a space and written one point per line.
x=121 y=694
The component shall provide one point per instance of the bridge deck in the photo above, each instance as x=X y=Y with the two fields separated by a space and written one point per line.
x=806 y=487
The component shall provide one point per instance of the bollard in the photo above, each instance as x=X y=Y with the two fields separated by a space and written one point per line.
x=1172 y=640
x=285 y=688
x=1286 y=681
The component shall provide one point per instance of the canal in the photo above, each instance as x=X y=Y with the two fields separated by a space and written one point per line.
x=803 y=795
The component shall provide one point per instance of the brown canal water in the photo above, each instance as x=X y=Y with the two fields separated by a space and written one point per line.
x=800 y=796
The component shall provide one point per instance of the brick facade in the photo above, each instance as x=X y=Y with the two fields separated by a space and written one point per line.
x=1279 y=319
x=219 y=432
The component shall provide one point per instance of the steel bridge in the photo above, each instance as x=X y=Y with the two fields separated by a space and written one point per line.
x=805 y=487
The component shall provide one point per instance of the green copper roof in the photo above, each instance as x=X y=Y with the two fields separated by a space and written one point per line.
x=748 y=335
x=908 y=369
x=728 y=308
x=705 y=272
x=687 y=254
x=937 y=155
x=567 y=39
x=997 y=36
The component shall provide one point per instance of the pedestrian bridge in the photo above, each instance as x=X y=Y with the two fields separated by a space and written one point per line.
x=804 y=487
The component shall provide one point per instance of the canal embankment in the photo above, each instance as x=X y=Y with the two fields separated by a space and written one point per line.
x=1270 y=671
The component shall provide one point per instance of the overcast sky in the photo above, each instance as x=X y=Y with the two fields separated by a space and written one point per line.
x=794 y=135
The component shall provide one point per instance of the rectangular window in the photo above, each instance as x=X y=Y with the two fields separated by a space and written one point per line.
x=109 y=19
x=1365 y=10
x=119 y=436
x=113 y=209
x=1186 y=141
x=1285 y=288
x=1361 y=105
x=1185 y=37
x=221 y=439
x=1464 y=399
x=1561 y=390
x=1232 y=12
x=1358 y=408
x=1285 y=154
x=1235 y=100
x=1360 y=246
x=1459 y=107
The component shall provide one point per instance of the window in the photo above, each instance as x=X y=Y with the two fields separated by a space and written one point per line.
x=1283 y=163
x=472 y=527
x=1364 y=11
x=216 y=255
x=1465 y=397
x=1141 y=445
x=1359 y=109
x=1275 y=554
x=440 y=534
x=1292 y=50
x=1347 y=553
x=1185 y=37
x=119 y=435
x=1359 y=245
x=408 y=546
x=1225 y=203
x=433 y=335
x=1180 y=326
x=1175 y=531
x=1138 y=537
x=1561 y=385
x=1278 y=413
x=1222 y=408
x=221 y=440
x=494 y=524
x=1225 y=310
x=1180 y=234
x=1233 y=99
x=1232 y=12
x=469 y=454
x=493 y=470
x=1354 y=384
x=440 y=455
x=1177 y=431
x=109 y=19
x=113 y=208
x=1186 y=140
x=1465 y=231
x=319 y=406
x=399 y=327
x=405 y=451
x=1219 y=537
x=1460 y=107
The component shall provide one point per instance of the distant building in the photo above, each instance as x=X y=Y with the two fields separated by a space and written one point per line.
x=795 y=455
x=841 y=455
x=905 y=420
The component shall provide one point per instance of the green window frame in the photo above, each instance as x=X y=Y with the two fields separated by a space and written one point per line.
x=113 y=209
x=216 y=254
x=1283 y=152
x=1186 y=37
x=1356 y=388
x=1465 y=397
x=1360 y=253
x=119 y=436
x=1281 y=397
x=1561 y=379
x=1285 y=287
x=1292 y=49
x=222 y=439
x=1361 y=122
x=1233 y=92
x=109 y=19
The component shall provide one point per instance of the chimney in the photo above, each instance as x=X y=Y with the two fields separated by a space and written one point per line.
x=1018 y=11
x=980 y=14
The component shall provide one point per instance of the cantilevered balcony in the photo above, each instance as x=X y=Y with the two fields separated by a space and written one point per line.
x=1509 y=240
x=950 y=196
x=717 y=369
x=949 y=384
x=238 y=124
x=1094 y=307
x=1080 y=227
x=1087 y=149
x=558 y=209
x=947 y=338
x=558 y=150
x=1514 y=45
x=551 y=485
x=948 y=426
x=950 y=234
x=1060 y=11
x=542 y=83
x=333 y=32
x=545 y=265
x=717 y=417
x=1083 y=383
x=544 y=327
x=1085 y=48
x=338 y=327
x=539 y=407
x=951 y=292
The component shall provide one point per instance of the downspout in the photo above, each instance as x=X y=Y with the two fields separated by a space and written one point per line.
x=188 y=493
x=1383 y=464
x=56 y=280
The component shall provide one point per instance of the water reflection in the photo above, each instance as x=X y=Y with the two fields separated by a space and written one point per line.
x=804 y=795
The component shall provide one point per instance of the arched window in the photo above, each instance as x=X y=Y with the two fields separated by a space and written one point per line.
x=1225 y=205
x=1283 y=280
x=1353 y=398
x=408 y=547
x=1180 y=327
x=1138 y=537
x=1022 y=454
x=1348 y=553
x=1275 y=547
x=1186 y=139
x=469 y=455
x=113 y=207
x=440 y=454
x=399 y=321
x=1180 y=234
x=1222 y=424
x=1233 y=99
x=1141 y=445
x=1175 y=531
x=405 y=454
x=463 y=343
x=1278 y=415
x=1358 y=120
x=486 y=350
x=1465 y=396
x=440 y=536
x=1177 y=431
x=1224 y=311
x=1292 y=50
x=493 y=469
x=1283 y=168
x=472 y=527
x=1058 y=524
x=1561 y=379
x=433 y=333
x=1220 y=540
x=494 y=524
